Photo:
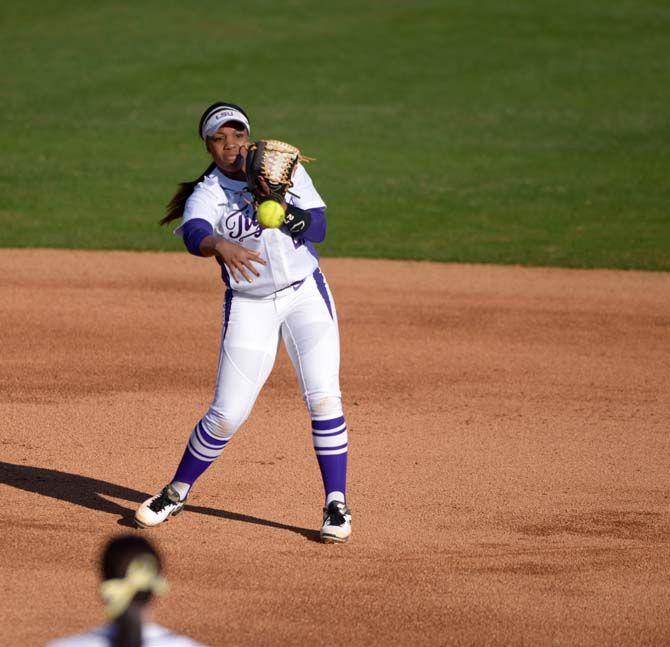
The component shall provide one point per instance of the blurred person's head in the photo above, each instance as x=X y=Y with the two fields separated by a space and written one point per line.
x=131 y=569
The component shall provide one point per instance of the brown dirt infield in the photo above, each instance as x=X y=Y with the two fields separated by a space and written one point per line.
x=510 y=461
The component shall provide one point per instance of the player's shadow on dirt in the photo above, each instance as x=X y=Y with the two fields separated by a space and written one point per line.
x=91 y=493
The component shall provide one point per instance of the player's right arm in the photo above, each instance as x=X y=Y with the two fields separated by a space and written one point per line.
x=197 y=230
x=200 y=240
x=237 y=258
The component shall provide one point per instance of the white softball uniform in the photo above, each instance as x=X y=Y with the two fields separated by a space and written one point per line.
x=290 y=300
x=153 y=635
x=228 y=207
x=305 y=318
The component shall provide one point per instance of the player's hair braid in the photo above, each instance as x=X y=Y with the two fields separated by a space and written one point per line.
x=116 y=557
x=175 y=208
x=128 y=628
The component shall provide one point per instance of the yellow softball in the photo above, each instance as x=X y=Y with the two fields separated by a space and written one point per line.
x=270 y=214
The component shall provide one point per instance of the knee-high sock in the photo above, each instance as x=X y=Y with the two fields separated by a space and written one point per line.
x=330 y=444
x=201 y=451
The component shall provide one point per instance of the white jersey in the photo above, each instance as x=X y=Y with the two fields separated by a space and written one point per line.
x=153 y=635
x=227 y=206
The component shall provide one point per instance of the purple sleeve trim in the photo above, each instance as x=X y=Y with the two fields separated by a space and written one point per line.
x=193 y=232
x=316 y=231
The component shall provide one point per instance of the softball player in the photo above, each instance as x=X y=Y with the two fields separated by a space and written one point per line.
x=274 y=291
x=131 y=576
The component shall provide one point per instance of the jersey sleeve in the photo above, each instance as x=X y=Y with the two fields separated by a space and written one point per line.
x=202 y=204
x=303 y=194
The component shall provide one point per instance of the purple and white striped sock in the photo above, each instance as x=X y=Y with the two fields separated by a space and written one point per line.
x=330 y=444
x=201 y=451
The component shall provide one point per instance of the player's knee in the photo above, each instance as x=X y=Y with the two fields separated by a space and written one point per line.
x=330 y=406
x=222 y=424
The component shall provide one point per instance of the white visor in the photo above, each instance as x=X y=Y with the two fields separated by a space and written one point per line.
x=219 y=117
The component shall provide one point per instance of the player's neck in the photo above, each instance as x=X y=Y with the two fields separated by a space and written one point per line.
x=239 y=175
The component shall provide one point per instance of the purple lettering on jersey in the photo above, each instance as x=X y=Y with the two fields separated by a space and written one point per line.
x=242 y=224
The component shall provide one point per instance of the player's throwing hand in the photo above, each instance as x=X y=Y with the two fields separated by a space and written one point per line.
x=236 y=258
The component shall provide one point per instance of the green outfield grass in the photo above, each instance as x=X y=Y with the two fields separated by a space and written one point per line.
x=529 y=132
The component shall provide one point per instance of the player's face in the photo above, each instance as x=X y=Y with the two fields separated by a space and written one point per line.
x=228 y=147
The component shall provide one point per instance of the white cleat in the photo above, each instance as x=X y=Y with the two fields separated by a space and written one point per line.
x=336 y=523
x=159 y=508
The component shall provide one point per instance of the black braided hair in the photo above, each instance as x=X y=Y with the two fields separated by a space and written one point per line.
x=175 y=208
x=116 y=557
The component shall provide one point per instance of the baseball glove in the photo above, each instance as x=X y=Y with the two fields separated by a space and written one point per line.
x=270 y=167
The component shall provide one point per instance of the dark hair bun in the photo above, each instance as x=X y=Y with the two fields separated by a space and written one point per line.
x=120 y=551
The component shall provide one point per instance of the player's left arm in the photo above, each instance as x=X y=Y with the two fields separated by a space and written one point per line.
x=305 y=209
x=309 y=224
